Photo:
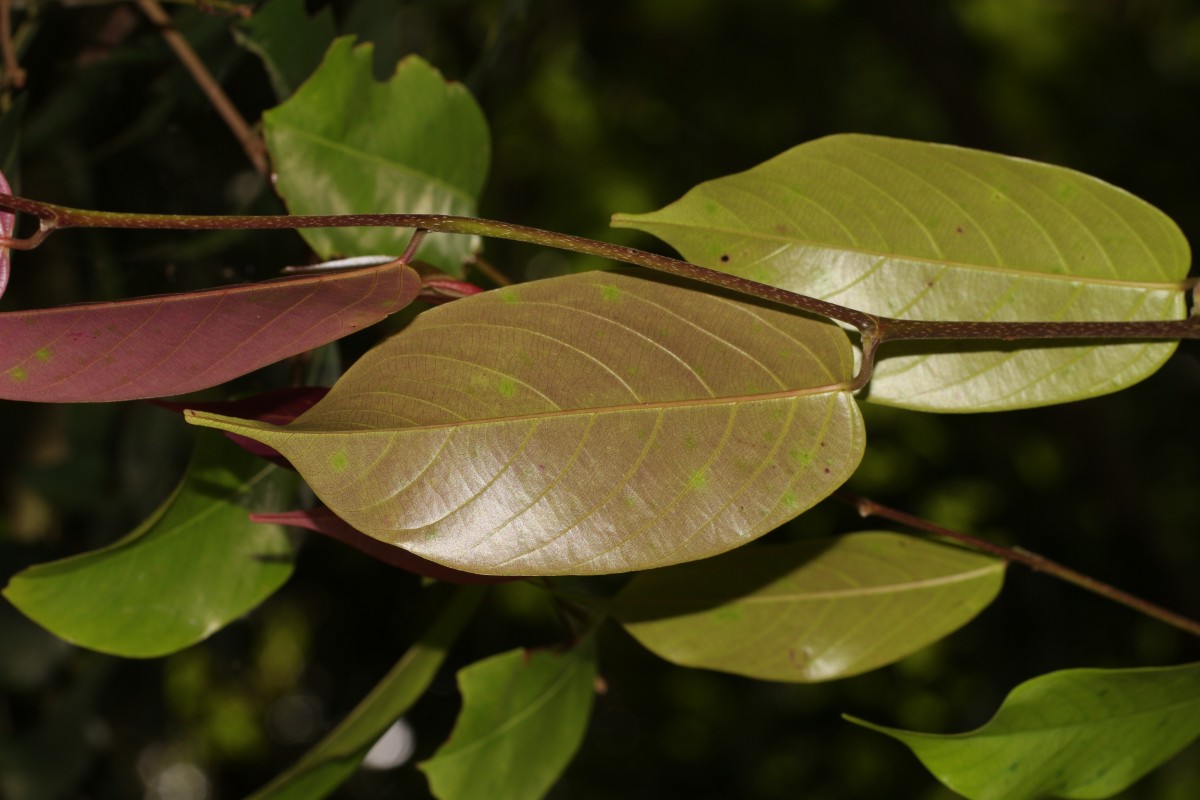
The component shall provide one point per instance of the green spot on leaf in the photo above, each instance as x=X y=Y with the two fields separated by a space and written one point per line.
x=339 y=461
x=18 y=374
x=698 y=479
x=507 y=387
x=801 y=457
x=43 y=354
x=610 y=293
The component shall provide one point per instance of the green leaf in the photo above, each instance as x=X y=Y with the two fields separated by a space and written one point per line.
x=346 y=144
x=288 y=41
x=337 y=756
x=812 y=611
x=195 y=565
x=523 y=718
x=923 y=231
x=1082 y=733
x=579 y=425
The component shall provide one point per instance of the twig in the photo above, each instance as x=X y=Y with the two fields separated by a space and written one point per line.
x=14 y=76
x=208 y=84
x=869 y=508
x=489 y=270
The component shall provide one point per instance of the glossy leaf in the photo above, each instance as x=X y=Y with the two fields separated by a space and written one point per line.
x=812 y=611
x=174 y=344
x=337 y=756
x=1082 y=733
x=196 y=564
x=923 y=231
x=288 y=41
x=345 y=143
x=6 y=229
x=523 y=718
x=324 y=521
x=586 y=424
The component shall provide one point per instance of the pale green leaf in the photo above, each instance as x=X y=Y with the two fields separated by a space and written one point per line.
x=345 y=143
x=924 y=231
x=579 y=425
x=523 y=718
x=327 y=765
x=811 y=611
x=1082 y=733
x=195 y=565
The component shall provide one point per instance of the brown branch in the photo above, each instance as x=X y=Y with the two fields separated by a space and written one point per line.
x=250 y=142
x=14 y=76
x=869 y=508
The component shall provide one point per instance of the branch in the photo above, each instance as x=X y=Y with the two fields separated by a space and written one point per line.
x=1016 y=555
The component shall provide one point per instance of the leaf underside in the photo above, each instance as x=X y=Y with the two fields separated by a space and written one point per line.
x=1085 y=733
x=345 y=143
x=174 y=344
x=586 y=424
x=924 y=231
x=813 y=611
x=6 y=228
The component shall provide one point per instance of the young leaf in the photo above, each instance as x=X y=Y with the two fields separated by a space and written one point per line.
x=173 y=344
x=195 y=565
x=337 y=756
x=523 y=717
x=812 y=611
x=345 y=143
x=1083 y=733
x=579 y=425
x=6 y=228
x=288 y=41
x=923 y=231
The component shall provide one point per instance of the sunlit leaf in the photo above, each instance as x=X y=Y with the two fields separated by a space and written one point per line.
x=578 y=425
x=1082 y=733
x=523 y=717
x=924 y=231
x=345 y=143
x=195 y=565
x=812 y=611
x=174 y=344
x=337 y=756
x=289 y=41
x=324 y=521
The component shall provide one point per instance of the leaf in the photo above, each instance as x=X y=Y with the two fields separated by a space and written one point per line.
x=523 y=718
x=337 y=756
x=813 y=611
x=174 y=344
x=923 y=231
x=1081 y=733
x=195 y=565
x=579 y=425
x=288 y=41
x=6 y=229
x=324 y=521
x=346 y=144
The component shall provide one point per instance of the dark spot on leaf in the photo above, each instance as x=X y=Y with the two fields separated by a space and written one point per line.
x=724 y=258
x=828 y=471
x=958 y=229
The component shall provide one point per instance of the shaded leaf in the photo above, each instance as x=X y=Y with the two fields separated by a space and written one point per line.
x=196 y=564
x=1081 y=733
x=346 y=144
x=923 y=231
x=585 y=424
x=337 y=756
x=812 y=611
x=289 y=41
x=174 y=344
x=523 y=718
x=324 y=521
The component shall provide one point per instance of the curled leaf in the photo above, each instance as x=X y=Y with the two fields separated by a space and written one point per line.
x=586 y=424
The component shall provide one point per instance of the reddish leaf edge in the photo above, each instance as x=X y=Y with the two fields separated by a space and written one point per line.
x=7 y=221
x=323 y=521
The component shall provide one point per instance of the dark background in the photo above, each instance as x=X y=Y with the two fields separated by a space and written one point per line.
x=597 y=108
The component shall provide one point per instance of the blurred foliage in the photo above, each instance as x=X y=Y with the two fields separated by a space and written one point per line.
x=596 y=108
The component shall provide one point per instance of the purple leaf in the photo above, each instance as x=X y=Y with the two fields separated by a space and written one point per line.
x=6 y=229
x=324 y=521
x=173 y=344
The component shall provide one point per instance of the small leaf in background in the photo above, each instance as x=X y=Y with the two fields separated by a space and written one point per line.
x=6 y=228
x=587 y=424
x=925 y=231
x=288 y=40
x=322 y=520
x=345 y=143
x=812 y=611
x=194 y=566
x=1082 y=733
x=523 y=718
x=332 y=760
x=174 y=344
